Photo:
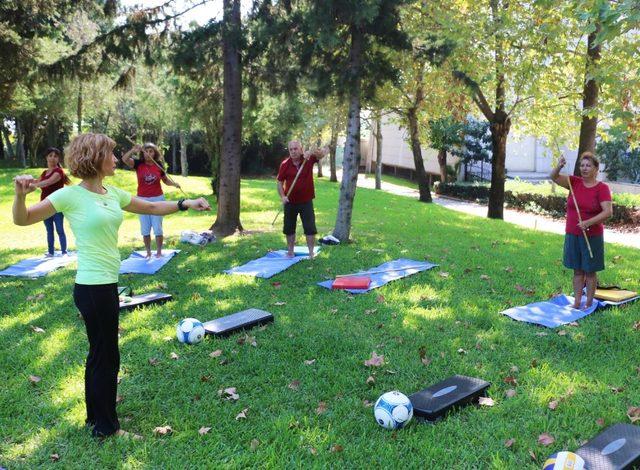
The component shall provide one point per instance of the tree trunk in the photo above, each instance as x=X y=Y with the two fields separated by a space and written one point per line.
x=184 y=164
x=414 y=137
x=318 y=144
x=79 y=108
x=333 y=177
x=7 y=139
x=378 y=136
x=174 y=153
x=499 y=132
x=2 y=154
x=228 y=215
x=442 y=162
x=351 y=159
x=589 y=124
x=20 y=153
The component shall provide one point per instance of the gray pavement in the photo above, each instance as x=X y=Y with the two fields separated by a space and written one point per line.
x=523 y=219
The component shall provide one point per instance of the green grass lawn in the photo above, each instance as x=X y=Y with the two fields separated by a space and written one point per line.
x=450 y=313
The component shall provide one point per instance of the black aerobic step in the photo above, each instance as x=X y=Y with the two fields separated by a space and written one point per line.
x=145 y=299
x=615 y=448
x=434 y=402
x=238 y=321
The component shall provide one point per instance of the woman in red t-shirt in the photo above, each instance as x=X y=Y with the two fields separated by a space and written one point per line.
x=150 y=172
x=594 y=207
x=52 y=179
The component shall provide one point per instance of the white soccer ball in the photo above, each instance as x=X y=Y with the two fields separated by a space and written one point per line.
x=190 y=331
x=393 y=410
x=564 y=461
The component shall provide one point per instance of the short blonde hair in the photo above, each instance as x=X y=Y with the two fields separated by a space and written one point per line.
x=591 y=157
x=86 y=152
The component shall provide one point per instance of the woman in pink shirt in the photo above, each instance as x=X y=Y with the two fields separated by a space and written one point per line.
x=594 y=207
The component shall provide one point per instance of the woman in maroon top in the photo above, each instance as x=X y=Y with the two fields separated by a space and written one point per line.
x=149 y=170
x=594 y=207
x=52 y=179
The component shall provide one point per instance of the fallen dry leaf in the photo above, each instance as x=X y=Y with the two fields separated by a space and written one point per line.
x=553 y=404
x=54 y=457
x=508 y=269
x=510 y=393
x=533 y=455
x=279 y=303
x=617 y=389
x=162 y=430
x=34 y=379
x=600 y=422
x=574 y=323
x=336 y=448
x=443 y=274
x=294 y=385
x=371 y=380
x=541 y=333
x=203 y=430
x=562 y=333
x=484 y=277
x=633 y=412
x=380 y=299
x=313 y=451
x=322 y=407
x=154 y=361
x=277 y=285
x=426 y=361
x=230 y=393
x=546 y=439
x=119 y=398
x=367 y=403
x=242 y=414
x=509 y=442
x=510 y=380
x=462 y=351
x=308 y=362
x=254 y=444
x=37 y=329
x=514 y=369
x=519 y=288
x=216 y=353
x=174 y=356
x=486 y=401
x=374 y=360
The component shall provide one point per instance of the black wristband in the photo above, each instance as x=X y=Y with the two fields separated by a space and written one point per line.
x=181 y=205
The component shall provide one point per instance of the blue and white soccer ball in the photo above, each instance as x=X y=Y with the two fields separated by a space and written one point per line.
x=190 y=331
x=564 y=461
x=393 y=410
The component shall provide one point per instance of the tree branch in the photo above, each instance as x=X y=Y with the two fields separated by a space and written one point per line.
x=477 y=95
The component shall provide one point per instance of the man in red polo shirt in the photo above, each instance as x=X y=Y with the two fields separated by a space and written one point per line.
x=300 y=200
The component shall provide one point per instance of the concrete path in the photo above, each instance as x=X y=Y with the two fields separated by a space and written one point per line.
x=524 y=219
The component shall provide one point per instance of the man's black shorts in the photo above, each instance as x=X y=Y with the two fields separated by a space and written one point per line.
x=307 y=215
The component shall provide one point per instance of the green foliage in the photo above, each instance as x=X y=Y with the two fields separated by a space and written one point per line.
x=446 y=133
x=622 y=162
x=476 y=141
x=452 y=317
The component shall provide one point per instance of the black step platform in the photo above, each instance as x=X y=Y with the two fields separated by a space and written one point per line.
x=145 y=299
x=238 y=321
x=432 y=403
x=616 y=448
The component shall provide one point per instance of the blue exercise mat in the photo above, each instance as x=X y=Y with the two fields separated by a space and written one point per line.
x=138 y=264
x=387 y=272
x=551 y=313
x=40 y=266
x=272 y=263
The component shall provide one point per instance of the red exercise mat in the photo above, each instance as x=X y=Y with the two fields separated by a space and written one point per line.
x=351 y=282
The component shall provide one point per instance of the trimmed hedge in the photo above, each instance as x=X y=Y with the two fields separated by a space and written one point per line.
x=551 y=205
